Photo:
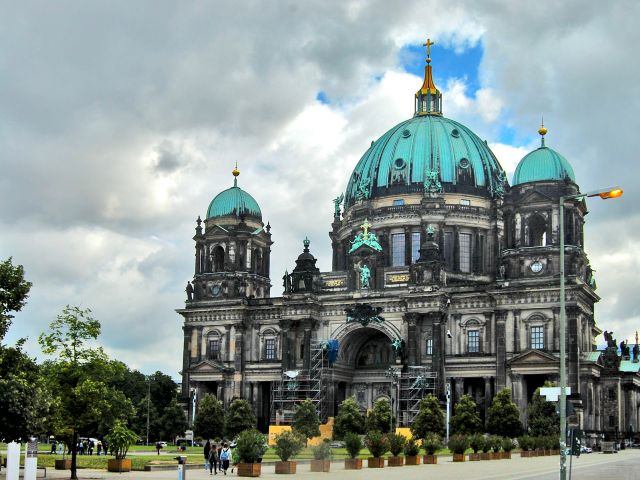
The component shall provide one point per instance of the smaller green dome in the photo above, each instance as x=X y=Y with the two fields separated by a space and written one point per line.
x=234 y=201
x=543 y=164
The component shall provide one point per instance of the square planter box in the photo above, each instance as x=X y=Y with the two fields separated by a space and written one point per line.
x=474 y=457
x=286 y=468
x=430 y=459
x=485 y=456
x=352 y=463
x=458 y=457
x=525 y=454
x=505 y=455
x=249 y=469
x=547 y=453
x=375 y=462
x=495 y=456
x=64 y=464
x=114 y=465
x=396 y=461
x=320 y=465
x=412 y=460
x=555 y=452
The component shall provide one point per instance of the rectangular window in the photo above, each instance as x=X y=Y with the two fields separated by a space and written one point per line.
x=473 y=339
x=415 y=246
x=612 y=421
x=448 y=250
x=465 y=252
x=537 y=338
x=465 y=202
x=397 y=249
x=214 y=349
x=612 y=394
x=398 y=202
x=429 y=347
x=270 y=349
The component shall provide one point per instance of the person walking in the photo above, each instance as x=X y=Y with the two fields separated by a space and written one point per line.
x=214 y=459
x=53 y=447
x=225 y=455
x=207 y=449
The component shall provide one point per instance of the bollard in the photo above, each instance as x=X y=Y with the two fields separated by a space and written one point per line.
x=31 y=459
x=182 y=473
x=13 y=461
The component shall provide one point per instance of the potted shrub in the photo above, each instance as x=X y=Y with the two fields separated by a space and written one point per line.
x=251 y=445
x=411 y=451
x=321 y=457
x=507 y=446
x=431 y=443
x=476 y=442
x=525 y=446
x=486 y=446
x=378 y=445
x=458 y=444
x=396 y=445
x=549 y=444
x=540 y=442
x=63 y=463
x=555 y=445
x=288 y=445
x=496 y=445
x=353 y=444
x=120 y=439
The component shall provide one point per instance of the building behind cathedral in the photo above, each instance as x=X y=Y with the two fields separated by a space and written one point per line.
x=444 y=275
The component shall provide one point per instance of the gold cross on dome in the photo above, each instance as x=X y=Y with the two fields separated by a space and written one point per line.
x=428 y=45
x=365 y=226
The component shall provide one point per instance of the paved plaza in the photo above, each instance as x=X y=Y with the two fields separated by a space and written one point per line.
x=624 y=465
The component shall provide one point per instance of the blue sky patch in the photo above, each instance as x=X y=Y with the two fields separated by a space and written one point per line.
x=322 y=97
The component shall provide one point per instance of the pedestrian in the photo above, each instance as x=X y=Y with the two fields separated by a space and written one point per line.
x=90 y=447
x=99 y=448
x=158 y=447
x=53 y=447
x=61 y=447
x=207 y=448
x=214 y=459
x=225 y=455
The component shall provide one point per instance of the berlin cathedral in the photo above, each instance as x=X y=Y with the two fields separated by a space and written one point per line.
x=444 y=280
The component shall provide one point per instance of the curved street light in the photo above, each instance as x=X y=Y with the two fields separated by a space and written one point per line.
x=611 y=192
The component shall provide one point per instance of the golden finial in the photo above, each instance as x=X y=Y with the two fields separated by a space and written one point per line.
x=235 y=172
x=428 y=45
x=542 y=131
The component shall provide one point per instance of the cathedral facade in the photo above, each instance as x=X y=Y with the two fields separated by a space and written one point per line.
x=444 y=280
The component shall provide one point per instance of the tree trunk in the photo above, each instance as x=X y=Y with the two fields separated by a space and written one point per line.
x=74 y=451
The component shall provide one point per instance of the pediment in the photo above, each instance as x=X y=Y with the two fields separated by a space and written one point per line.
x=210 y=366
x=536 y=197
x=533 y=357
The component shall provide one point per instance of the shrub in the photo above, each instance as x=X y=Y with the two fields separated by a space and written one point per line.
x=430 y=418
x=555 y=442
x=525 y=442
x=379 y=418
x=504 y=417
x=466 y=420
x=322 y=451
x=431 y=443
x=411 y=448
x=288 y=444
x=476 y=442
x=348 y=419
x=306 y=422
x=353 y=444
x=539 y=442
x=377 y=443
x=458 y=443
x=486 y=446
x=495 y=442
x=396 y=443
x=251 y=445
x=507 y=444
x=120 y=439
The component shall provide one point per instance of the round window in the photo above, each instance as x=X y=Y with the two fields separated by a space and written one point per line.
x=455 y=133
x=406 y=133
x=399 y=163
x=464 y=163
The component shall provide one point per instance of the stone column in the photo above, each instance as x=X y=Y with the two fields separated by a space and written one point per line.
x=456 y=249
x=488 y=345
x=516 y=331
x=284 y=335
x=501 y=352
x=459 y=389
x=438 y=361
x=230 y=343
x=407 y=245
x=307 y=348
x=555 y=346
x=573 y=349
x=186 y=356
x=412 y=337
x=487 y=396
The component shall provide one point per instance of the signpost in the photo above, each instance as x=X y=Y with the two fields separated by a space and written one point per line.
x=31 y=459
x=13 y=461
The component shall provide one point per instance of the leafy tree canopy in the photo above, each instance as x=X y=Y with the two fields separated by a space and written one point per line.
x=209 y=422
x=504 y=417
x=466 y=420
x=306 y=421
x=543 y=419
x=430 y=418
x=379 y=418
x=239 y=418
x=348 y=419
x=14 y=290
x=173 y=422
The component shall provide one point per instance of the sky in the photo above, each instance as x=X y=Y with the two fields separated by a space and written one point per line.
x=120 y=121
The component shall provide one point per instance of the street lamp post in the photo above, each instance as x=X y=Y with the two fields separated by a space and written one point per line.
x=393 y=377
x=148 y=402
x=612 y=192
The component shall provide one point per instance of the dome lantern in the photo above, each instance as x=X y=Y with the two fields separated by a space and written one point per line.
x=234 y=202
x=428 y=100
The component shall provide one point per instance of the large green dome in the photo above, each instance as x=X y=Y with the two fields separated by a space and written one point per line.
x=543 y=164
x=235 y=202
x=426 y=145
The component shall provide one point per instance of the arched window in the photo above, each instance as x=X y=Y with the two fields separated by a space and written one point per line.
x=218 y=259
x=214 y=345
x=537 y=230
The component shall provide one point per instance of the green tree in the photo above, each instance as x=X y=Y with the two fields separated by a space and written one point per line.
x=14 y=290
x=239 y=418
x=348 y=419
x=504 y=417
x=79 y=379
x=173 y=422
x=379 y=418
x=466 y=419
x=209 y=422
x=306 y=422
x=430 y=418
x=543 y=419
x=24 y=397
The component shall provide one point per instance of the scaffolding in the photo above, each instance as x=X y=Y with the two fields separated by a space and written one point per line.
x=413 y=385
x=296 y=386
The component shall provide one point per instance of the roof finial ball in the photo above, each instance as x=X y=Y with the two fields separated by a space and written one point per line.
x=235 y=172
x=542 y=131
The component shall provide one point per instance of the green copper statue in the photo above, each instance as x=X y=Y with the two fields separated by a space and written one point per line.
x=336 y=205
x=365 y=277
